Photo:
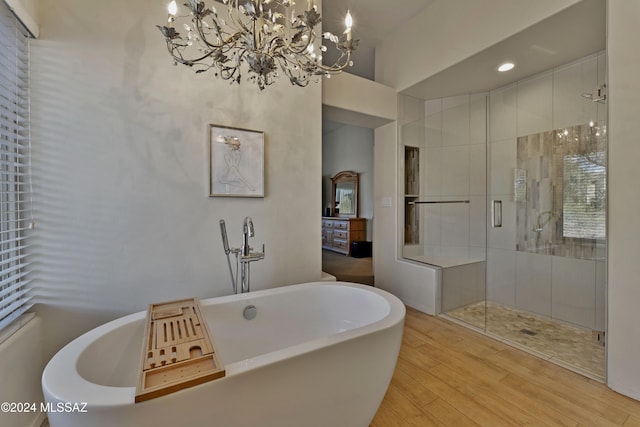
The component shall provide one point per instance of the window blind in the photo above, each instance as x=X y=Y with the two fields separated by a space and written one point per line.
x=584 y=197
x=15 y=181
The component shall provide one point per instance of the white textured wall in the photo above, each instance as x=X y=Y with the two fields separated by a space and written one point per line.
x=623 y=340
x=120 y=149
x=350 y=148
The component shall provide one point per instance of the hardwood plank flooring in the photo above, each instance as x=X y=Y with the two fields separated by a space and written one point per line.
x=448 y=375
x=348 y=269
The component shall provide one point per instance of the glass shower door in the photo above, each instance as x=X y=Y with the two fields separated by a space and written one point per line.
x=547 y=175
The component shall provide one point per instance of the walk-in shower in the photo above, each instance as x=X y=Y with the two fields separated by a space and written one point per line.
x=505 y=194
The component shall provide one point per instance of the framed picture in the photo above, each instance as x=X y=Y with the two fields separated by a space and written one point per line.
x=236 y=162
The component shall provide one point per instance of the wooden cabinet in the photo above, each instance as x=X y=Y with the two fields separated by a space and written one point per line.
x=338 y=233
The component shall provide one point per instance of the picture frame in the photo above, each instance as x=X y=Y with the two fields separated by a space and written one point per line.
x=236 y=162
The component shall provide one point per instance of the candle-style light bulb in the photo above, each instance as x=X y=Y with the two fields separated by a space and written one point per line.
x=348 y=22
x=173 y=8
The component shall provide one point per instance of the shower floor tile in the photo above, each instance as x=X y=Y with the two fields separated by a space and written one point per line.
x=567 y=345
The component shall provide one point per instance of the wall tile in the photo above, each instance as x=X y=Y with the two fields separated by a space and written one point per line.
x=477 y=221
x=432 y=224
x=478 y=119
x=462 y=285
x=567 y=99
x=477 y=252
x=570 y=108
x=410 y=109
x=502 y=113
x=573 y=290
x=433 y=106
x=534 y=98
x=432 y=184
x=501 y=276
x=502 y=161
x=455 y=121
x=478 y=169
x=457 y=252
x=455 y=170
x=433 y=130
x=588 y=108
x=455 y=224
x=533 y=283
x=413 y=134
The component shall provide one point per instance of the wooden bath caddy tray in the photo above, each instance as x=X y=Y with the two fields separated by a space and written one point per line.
x=178 y=351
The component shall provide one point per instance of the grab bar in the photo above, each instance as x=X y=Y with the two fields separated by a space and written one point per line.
x=438 y=201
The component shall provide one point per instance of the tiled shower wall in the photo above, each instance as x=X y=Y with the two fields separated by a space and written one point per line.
x=455 y=169
x=559 y=287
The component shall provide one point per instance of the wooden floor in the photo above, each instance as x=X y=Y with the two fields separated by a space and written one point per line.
x=348 y=269
x=448 y=375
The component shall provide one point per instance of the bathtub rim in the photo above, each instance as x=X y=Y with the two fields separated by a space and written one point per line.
x=72 y=387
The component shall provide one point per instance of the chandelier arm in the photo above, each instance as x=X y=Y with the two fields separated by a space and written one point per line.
x=173 y=47
x=203 y=36
x=311 y=37
x=336 y=68
x=235 y=16
x=301 y=81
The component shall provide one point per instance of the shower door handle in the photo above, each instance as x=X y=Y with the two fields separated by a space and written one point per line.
x=496 y=217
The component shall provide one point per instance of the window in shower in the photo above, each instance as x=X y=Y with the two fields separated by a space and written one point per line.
x=563 y=211
x=584 y=196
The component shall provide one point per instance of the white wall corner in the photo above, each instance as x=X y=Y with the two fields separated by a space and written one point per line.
x=352 y=93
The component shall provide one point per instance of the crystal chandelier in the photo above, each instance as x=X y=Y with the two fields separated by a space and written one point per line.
x=269 y=36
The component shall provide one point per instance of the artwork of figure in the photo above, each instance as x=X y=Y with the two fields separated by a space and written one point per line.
x=236 y=162
x=233 y=176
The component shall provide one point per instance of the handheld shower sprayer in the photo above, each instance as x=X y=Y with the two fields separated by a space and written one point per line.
x=225 y=239
x=227 y=251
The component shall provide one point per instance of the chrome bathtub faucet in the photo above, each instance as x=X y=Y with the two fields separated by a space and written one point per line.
x=244 y=255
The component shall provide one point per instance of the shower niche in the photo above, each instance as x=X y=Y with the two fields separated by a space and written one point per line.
x=411 y=195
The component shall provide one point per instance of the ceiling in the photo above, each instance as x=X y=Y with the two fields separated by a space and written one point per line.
x=373 y=20
x=569 y=35
x=574 y=33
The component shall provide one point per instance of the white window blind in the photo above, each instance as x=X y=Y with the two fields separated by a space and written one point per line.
x=15 y=182
x=585 y=189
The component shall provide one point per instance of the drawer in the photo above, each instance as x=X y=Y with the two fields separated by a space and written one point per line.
x=340 y=234
x=342 y=225
x=327 y=223
x=341 y=244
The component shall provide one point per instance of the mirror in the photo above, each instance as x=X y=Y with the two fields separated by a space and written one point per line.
x=344 y=194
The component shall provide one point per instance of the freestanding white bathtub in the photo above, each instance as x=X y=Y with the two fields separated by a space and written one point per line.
x=317 y=354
